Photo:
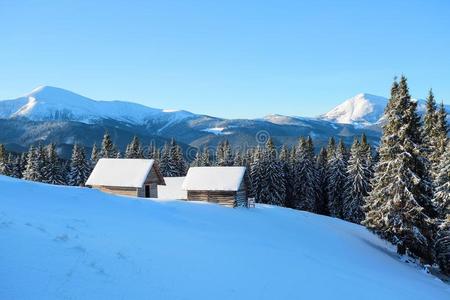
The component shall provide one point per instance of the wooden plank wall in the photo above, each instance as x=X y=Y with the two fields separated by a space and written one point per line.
x=225 y=198
x=118 y=190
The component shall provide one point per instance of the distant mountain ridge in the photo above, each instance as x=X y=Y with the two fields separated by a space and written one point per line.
x=51 y=114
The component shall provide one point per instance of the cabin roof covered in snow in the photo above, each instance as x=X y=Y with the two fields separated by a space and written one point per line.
x=121 y=172
x=214 y=178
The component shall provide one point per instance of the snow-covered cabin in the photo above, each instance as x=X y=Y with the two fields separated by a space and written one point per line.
x=130 y=177
x=222 y=185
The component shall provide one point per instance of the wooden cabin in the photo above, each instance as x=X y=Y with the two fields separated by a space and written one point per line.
x=222 y=185
x=129 y=177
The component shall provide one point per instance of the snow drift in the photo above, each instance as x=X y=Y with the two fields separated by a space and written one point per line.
x=76 y=243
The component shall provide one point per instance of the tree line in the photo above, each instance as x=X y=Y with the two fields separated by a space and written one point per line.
x=401 y=190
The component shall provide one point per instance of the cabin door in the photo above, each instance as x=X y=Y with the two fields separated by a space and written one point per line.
x=147 y=191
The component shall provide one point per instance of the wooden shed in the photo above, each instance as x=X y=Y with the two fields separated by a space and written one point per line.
x=130 y=177
x=222 y=185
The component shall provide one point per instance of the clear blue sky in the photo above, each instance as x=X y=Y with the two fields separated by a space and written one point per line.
x=225 y=58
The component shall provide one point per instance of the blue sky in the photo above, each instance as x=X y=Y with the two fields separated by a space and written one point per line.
x=226 y=58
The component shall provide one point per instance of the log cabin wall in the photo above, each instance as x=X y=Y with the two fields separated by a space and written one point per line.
x=118 y=190
x=225 y=198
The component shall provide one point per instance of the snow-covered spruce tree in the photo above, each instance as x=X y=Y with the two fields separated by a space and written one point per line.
x=197 y=162
x=95 y=156
x=238 y=160
x=134 y=149
x=165 y=161
x=31 y=171
x=322 y=183
x=257 y=174
x=442 y=138
x=305 y=176
x=178 y=162
x=394 y=207
x=430 y=132
x=273 y=187
x=206 y=160
x=337 y=176
x=442 y=245
x=3 y=160
x=153 y=152
x=441 y=199
x=224 y=155
x=286 y=163
x=79 y=167
x=16 y=166
x=357 y=184
x=52 y=171
x=108 y=149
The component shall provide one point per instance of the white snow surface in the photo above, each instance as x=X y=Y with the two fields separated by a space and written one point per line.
x=51 y=103
x=77 y=243
x=120 y=172
x=214 y=178
x=173 y=189
x=363 y=109
x=217 y=130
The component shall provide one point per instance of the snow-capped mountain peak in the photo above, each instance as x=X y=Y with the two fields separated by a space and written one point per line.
x=51 y=103
x=361 y=109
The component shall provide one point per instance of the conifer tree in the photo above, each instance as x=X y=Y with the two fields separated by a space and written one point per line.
x=134 y=149
x=197 y=162
x=257 y=174
x=322 y=182
x=108 y=149
x=165 y=161
x=31 y=171
x=16 y=166
x=3 y=160
x=52 y=171
x=395 y=205
x=286 y=163
x=442 y=245
x=273 y=184
x=441 y=199
x=95 y=156
x=238 y=160
x=430 y=132
x=224 y=155
x=206 y=160
x=337 y=176
x=358 y=183
x=79 y=167
x=305 y=176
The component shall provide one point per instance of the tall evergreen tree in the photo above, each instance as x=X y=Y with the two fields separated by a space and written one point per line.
x=79 y=167
x=52 y=171
x=273 y=184
x=108 y=149
x=337 y=176
x=206 y=159
x=224 y=155
x=322 y=182
x=286 y=162
x=305 y=176
x=441 y=199
x=442 y=245
x=430 y=132
x=95 y=156
x=32 y=171
x=358 y=183
x=134 y=149
x=3 y=160
x=395 y=206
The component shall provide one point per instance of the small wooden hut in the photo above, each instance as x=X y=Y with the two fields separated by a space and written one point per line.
x=222 y=185
x=130 y=177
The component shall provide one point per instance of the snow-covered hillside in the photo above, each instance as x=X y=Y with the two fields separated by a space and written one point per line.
x=362 y=109
x=77 y=243
x=51 y=103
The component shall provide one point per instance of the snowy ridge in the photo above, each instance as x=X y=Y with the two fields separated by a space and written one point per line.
x=362 y=109
x=51 y=103
x=77 y=243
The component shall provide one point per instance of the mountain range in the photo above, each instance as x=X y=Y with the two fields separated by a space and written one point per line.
x=50 y=114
